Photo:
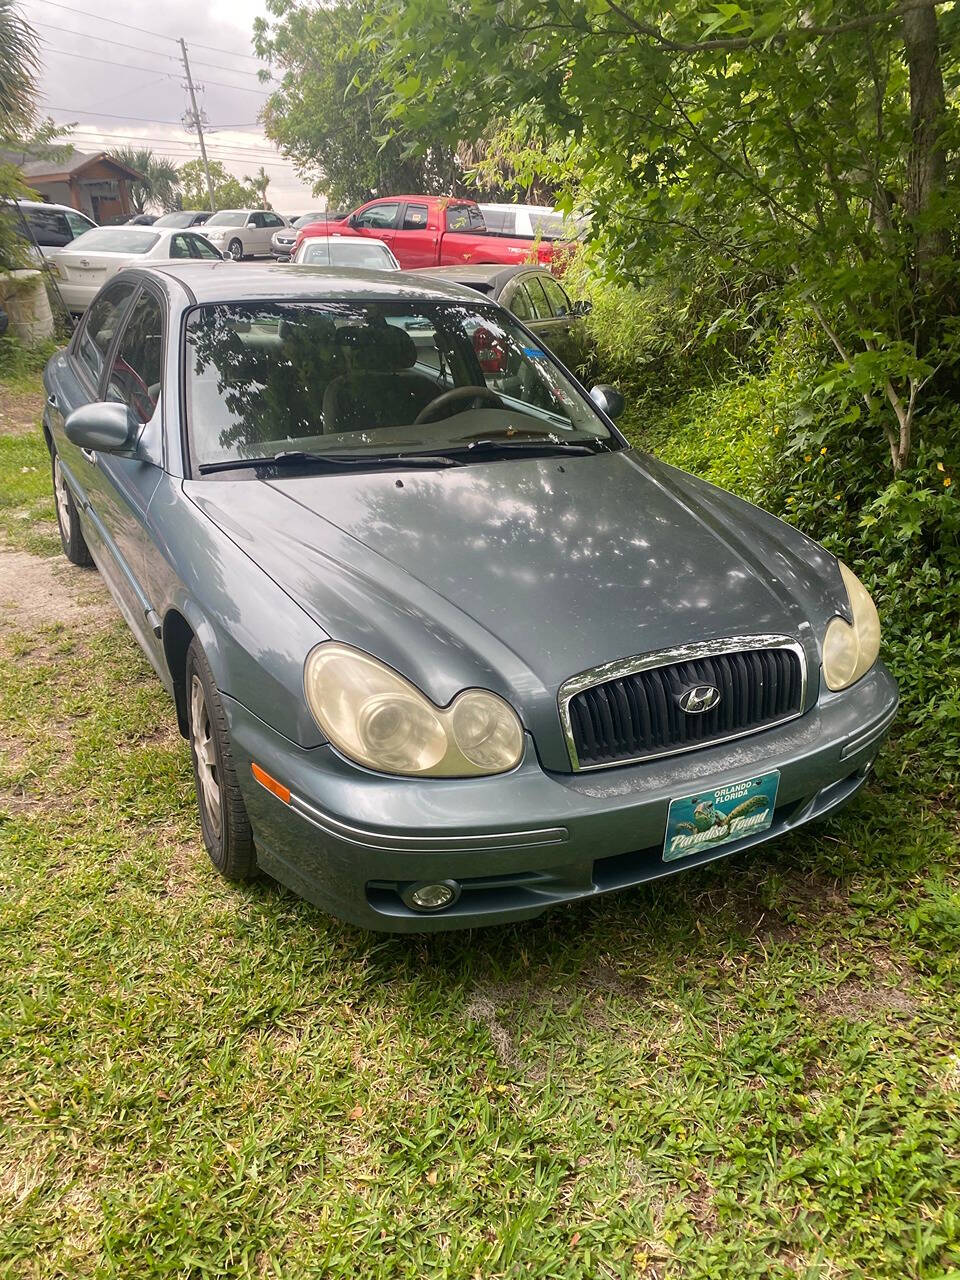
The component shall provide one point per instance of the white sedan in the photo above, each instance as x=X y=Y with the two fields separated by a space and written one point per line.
x=90 y=260
x=346 y=251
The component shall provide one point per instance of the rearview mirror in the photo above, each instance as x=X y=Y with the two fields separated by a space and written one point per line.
x=105 y=424
x=608 y=399
x=582 y=307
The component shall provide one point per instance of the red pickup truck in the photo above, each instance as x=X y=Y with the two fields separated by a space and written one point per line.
x=433 y=231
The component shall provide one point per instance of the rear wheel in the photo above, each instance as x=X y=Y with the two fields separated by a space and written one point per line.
x=223 y=815
x=235 y=249
x=68 y=521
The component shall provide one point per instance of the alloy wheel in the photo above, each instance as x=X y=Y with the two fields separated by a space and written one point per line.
x=62 y=495
x=201 y=737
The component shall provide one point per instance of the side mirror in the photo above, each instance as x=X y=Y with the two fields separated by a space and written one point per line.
x=582 y=307
x=608 y=399
x=105 y=424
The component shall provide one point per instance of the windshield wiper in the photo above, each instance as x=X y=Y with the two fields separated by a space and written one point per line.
x=545 y=447
x=336 y=461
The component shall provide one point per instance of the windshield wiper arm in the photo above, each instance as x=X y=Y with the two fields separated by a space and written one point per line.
x=545 y=447
x=335 y=461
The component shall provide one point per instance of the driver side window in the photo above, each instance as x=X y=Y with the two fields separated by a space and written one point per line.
x=138 y=364
x=383 y=216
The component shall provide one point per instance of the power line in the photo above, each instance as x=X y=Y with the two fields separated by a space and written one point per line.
x=129 y=66
x=79 y=111
x=160 y=35
x=139 y=48
x=183 y=146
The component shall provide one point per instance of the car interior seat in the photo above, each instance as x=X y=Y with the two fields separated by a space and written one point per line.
x=381 y=389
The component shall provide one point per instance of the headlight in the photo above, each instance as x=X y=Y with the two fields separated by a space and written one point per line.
x=850 y=651
x=380 y=720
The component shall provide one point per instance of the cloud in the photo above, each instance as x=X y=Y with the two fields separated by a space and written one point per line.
x=115 y=70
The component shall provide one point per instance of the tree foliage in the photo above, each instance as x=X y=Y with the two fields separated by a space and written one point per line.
x=228 y=192
x=797 y=153
x=160 y=184
x=328 y=114
x=19 y=68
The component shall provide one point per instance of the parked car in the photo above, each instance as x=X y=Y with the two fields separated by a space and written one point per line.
x=243 y=233
x=433 y=231
x=447 y=649
x=346 y=251
x=282 y=241
x=183 y=218
x=141 y=220
x=531 y=220
x=534 y=296
x=99 y=254
x=48 y=226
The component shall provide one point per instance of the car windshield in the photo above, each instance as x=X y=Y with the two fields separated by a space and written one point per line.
x=116 y=240
x=175 y=220
x=397 y=377
x=227 y=218
x=306 y=218
x=324 y=252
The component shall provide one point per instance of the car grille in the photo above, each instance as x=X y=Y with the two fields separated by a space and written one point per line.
x=636 y=714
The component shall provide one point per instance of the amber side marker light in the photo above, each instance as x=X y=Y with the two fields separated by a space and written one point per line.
x=272 y=785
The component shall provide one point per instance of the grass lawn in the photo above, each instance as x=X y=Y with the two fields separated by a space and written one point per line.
x=751 y=1070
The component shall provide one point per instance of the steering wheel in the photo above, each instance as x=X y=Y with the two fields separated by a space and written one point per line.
x=435 y=408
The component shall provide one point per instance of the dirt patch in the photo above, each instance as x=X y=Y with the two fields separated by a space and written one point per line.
x=854 y=1000
x=36 y=592
x=20 y=412
x=481 y=1008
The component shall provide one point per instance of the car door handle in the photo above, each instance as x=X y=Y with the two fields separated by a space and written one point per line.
x=90 y=456
x=52 y=402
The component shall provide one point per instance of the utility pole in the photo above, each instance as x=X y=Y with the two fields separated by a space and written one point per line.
x=198 y=122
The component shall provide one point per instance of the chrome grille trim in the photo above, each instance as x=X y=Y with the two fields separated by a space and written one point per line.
x=621 y=667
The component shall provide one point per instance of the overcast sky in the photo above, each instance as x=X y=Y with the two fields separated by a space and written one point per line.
x=118 y=75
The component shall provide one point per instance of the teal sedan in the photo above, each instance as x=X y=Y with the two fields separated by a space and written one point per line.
x=446 y=649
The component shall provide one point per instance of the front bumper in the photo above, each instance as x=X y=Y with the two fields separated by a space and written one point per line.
x=352 y=841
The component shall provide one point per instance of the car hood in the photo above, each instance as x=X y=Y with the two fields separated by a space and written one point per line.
x=518 y=574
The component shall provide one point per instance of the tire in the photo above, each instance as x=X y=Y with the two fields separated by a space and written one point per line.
x=68 y=521
x=235 y=249
x=223 y=815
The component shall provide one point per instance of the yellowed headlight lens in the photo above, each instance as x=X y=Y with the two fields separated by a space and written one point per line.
x=849 y=651
x=379 y=719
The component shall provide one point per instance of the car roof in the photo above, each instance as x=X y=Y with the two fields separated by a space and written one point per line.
x=59 y=208
x=228 y=282
x=477 y=274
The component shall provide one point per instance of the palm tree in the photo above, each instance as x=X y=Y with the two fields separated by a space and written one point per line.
x=259 y=182
x=19 y=71
x=160 y=180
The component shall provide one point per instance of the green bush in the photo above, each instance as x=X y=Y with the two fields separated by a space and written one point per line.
x=766 y=434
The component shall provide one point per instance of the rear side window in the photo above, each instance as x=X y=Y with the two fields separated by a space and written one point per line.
x=538 y=299
x=138 y=363
x=558 y=300
x=415 y=217
x=99 y=326
x=464 y=217
x=50 y=229
x=519 y=303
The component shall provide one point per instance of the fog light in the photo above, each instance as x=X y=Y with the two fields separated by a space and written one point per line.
x=432 y=897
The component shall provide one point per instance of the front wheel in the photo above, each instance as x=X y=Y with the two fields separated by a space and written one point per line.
x=235 y=250
x=223 y=815
x=68 y=521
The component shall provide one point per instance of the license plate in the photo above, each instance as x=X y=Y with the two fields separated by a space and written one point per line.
x=712 y=818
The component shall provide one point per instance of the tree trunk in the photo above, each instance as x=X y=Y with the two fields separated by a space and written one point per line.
x=927 y=166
